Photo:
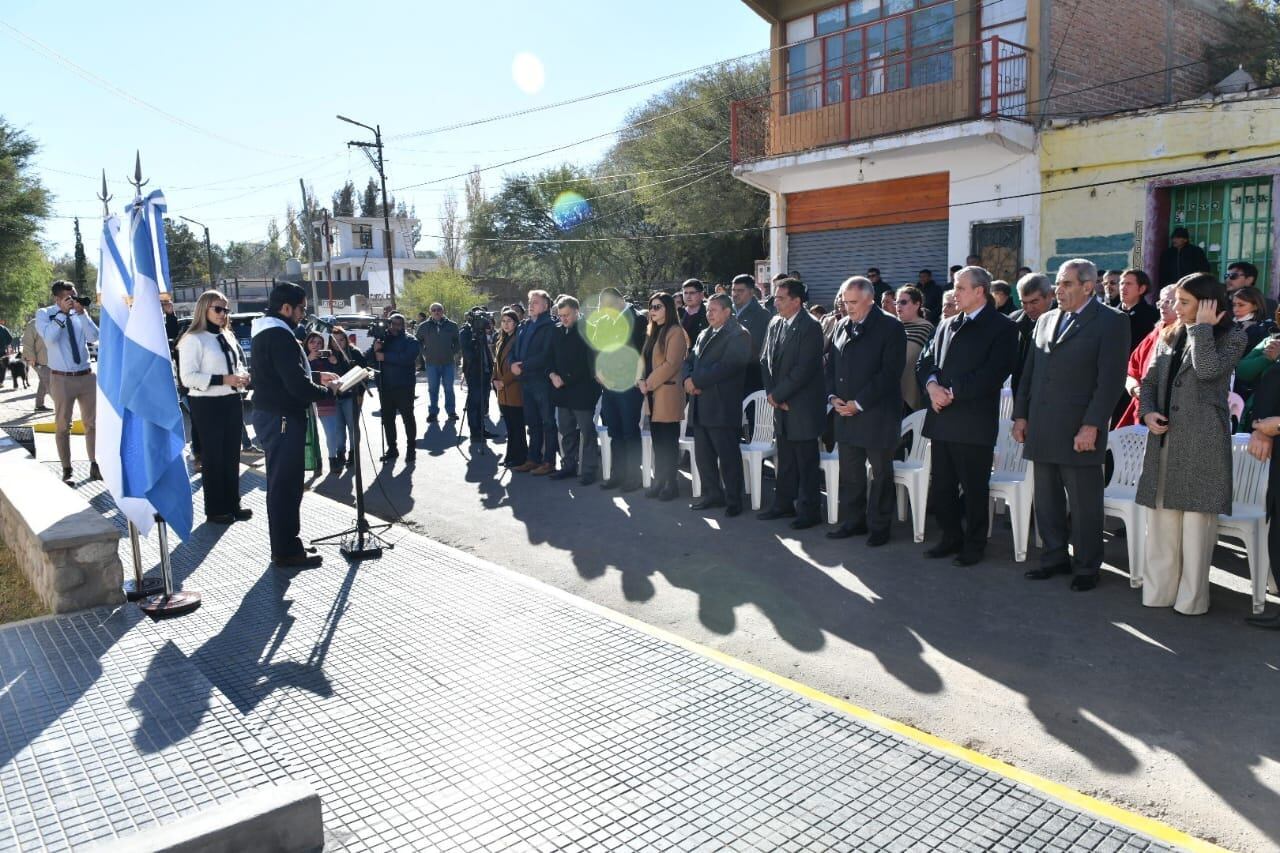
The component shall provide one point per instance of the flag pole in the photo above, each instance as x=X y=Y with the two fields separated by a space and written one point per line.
x=142 y=586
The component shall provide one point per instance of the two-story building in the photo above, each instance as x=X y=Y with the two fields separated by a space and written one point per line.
x=358 y=253
x=903 y=134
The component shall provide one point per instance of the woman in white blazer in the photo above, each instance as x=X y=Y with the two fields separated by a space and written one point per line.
x=212 y=367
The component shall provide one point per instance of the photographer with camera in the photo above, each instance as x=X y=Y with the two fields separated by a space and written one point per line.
x=396 y=355
x=477 y=369
x=67 y=331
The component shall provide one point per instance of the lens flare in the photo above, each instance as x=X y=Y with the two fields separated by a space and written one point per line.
x=608 y=329
x=569 y=209
x=528 y=73
x=618 y=367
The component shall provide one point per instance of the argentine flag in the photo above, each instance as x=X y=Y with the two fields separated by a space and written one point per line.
x=152 y=438
x=115 y=286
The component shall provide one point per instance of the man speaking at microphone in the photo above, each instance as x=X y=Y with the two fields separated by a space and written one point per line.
x=283 y=389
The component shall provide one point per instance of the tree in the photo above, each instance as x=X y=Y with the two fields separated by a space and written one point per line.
x=410 y=213
x=25 y=276
x=188 y=261
x=369 y=205
x=344 y=200
x=1252 y=41
x=64 y=267
x=449 y=287
x=274 y=256
x=450 y=232
x=293 y=232
x=477 y=226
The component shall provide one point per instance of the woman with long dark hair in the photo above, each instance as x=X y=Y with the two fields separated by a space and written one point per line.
x=1186 y=475
x=665 y=347
x=507 y=386
x=212 y=367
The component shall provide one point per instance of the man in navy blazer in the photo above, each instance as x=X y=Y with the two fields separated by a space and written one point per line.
x=864 y=388
x=963 y=369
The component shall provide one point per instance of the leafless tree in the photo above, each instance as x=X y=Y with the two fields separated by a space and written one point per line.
x=450 y=232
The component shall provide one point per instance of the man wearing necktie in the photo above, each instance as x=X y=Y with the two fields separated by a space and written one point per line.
x=962 y=370
x=1073 y=374
x=864 y=388
x=67 y=332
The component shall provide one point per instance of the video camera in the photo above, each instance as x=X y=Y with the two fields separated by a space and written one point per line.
x=85 y=301
x=379 y=329
x=480 y=318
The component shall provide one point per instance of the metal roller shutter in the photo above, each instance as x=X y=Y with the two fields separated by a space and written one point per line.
x=826 y=258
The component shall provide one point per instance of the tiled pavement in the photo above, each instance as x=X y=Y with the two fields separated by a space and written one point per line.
x=438 y=703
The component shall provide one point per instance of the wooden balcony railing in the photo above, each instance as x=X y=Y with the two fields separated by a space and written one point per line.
x=886 y=95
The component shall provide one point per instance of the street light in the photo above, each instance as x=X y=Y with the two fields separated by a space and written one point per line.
x=386 y=213
x=208 y=247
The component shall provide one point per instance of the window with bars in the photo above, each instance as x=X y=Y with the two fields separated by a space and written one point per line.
x=1230 y=220
x=868 y=47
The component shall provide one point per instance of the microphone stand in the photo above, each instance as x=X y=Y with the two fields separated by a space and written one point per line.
x=361 y=541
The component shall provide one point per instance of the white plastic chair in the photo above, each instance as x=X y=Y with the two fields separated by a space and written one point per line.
x=760 y=447
x=1006 y=404
x=830 y=462
x=911 y=476
x=1248 y=519
x=1128 y=446
x=606 y=447
x=686 y=446
x=646 y=453
x=1012 y=482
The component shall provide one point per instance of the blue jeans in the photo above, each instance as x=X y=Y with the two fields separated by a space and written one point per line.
x=540 y=417
x=437 y=375
x=338 y=426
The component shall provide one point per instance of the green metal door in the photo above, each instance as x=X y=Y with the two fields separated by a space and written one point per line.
x=1230 y=220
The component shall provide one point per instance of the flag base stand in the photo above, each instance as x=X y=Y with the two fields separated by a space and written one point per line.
x=360 y=542
x=162 y=602
x=171 y=604
x=148 y=588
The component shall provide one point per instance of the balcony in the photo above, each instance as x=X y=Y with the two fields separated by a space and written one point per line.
x=881 y=96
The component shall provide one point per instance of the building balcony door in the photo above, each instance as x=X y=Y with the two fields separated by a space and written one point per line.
x=999 y=245
x=1230 y=220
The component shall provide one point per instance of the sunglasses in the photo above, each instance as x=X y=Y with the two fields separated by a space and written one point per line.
x=657 y=306
x=904 y=302
x=1232 y=276
x=219 y=309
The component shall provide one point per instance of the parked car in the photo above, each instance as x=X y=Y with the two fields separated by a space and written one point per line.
x=242 y=328
x=356 y=325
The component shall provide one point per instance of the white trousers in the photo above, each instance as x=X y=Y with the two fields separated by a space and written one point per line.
x=1179 y=548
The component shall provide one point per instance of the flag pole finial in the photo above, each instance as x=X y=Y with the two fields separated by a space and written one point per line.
x=136 y=180
x=105 y=197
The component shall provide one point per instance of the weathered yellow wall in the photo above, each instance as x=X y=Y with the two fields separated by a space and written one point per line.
x=1100 y=223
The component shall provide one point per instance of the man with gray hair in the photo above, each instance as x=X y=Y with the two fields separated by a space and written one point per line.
x=963 y=369
x=1036 y=292
x=1062 y=409
x=438 y=341
x=574 y=391
x=864 y=388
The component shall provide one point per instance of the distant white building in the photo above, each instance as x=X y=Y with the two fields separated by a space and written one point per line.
x=358 y=254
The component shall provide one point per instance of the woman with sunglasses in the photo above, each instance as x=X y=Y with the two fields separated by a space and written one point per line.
x=212 y=367
x=909 y=302
x=665 y=347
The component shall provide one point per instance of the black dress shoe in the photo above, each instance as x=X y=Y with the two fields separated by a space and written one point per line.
x=564 y=474
x=1045 y=572
x=880 y=537
x=771 y=514
x=300 y=561
x=943 y=549
x=586 y=479
x=242 y=514
x=805 y=523
x=706 y=503
x=962 y=559
x=1267 y=623
x=611 y=483
x=226 y=518
x=391 y=455
x=1083 y=583
x=845 y=531
x=94 y=472
x=66 y=475
x=653 y=491
x=733 y=511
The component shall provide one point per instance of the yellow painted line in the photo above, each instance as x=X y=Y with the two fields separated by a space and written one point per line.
x=1149 y=827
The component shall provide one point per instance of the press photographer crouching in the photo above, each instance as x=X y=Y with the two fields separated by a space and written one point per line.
x=397 y=355
x=283 y=389
x=477 y=369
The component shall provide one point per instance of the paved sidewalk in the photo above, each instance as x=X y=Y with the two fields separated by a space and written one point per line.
x=437 y=702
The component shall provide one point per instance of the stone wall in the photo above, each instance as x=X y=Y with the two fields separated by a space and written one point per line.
x=65 y=547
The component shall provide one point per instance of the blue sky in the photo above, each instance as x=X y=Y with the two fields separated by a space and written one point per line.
x=261 y=83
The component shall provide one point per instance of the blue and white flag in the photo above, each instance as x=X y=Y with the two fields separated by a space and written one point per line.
x=152 y=440
x=115 y=284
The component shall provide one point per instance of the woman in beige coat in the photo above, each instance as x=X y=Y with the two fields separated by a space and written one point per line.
x=665 y=347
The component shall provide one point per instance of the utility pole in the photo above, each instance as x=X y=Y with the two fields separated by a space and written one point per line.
x=208 y=247
x=327 y=237
x=386 y=211
x=306 y=214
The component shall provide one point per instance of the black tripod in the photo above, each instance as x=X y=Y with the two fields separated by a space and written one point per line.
x=362 y=541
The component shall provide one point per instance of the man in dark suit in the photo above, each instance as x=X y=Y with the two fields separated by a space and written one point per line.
x=1036 y=292
x=1182 y=258
x=753 y=317
x=932 y=295
x=864 y=388
x=963 y=369
x=713 y=376
x=791 y=367
x=1061 y=412
x=1135 y=284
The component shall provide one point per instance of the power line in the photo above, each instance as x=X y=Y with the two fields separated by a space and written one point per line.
x=39 y=47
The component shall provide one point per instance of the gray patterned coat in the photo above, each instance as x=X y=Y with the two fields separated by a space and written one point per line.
x=1198 y=478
